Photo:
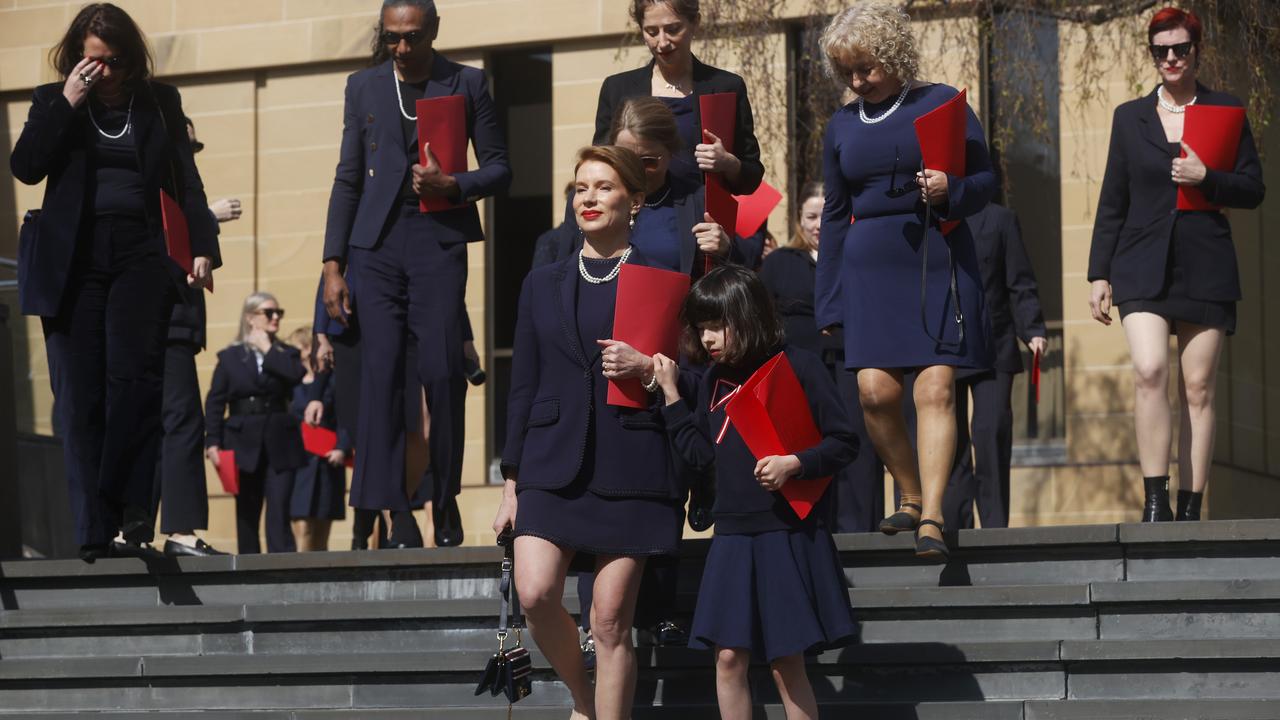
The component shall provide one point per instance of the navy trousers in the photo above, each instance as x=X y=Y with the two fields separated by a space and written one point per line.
x=992 y=441
x=275 y=488
x=106 y=365
x=408 y=283
x=857 y=491
x=179 y=482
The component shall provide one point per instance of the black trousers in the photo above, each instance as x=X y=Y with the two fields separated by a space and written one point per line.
x=857 y=492
x=179 y=482
x=991 y=439
x=274 y=487
x=106 y=365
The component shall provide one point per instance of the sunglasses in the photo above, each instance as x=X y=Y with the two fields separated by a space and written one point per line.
x=271 y=313
x=650 y=162
x=1180 y=50
x=413 y=37
x=114 y=62
x=910 y=186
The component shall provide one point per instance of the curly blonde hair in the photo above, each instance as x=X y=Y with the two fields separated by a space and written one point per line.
x=876 y=28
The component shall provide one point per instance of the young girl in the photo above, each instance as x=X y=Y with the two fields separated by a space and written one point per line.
x=319 y=488
x=773 y=588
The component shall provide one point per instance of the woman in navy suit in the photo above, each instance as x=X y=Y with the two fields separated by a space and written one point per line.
x=678 y=79
x=591 y=480
x=252 y=386
x=1170 y=271
x=105 y=140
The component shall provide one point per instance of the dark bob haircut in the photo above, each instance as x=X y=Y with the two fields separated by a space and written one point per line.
x=733 y=296
x=115 y=28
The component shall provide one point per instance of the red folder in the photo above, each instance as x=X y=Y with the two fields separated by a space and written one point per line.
x=719 y=112
x=646 y=317
x=771 y=413
x=754 y=209
x=941 y=133
x=1213 y=132
x=1035 y=373
x=228 y=473
x=442 y=123
x=177 y=238
x=321 y=441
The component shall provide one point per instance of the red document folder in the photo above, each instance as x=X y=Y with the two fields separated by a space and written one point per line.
x=754 y=209
x=228 y=473
x=1213 y=132
x=941 y=133
x=719 y=113
x=177 y=238
x=321 y=441
x=646 y=317
x=771 y=413
x=1035 y=373
x=442 y=123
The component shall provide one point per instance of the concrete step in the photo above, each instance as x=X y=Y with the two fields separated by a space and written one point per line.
x=1190 y=709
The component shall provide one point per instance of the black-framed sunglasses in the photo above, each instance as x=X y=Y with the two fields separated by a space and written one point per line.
x=115 y=62
x=271 y=313
x=910 y=186
x=413 y=37
x=1180 y=50
x=650 y=162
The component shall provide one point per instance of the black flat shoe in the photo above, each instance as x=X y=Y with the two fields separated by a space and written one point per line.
x=448 y=522
x=93 y=553
x=125 y=549
x=404 y=531
x=589 y=654
x=928 y=548
x=901 y=521
x=664 y=634
x=201 y=549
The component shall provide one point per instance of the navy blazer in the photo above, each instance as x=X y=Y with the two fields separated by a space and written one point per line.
x=276 y=434
x=373 y=158
x=1138 y=217
x=55 y=145
x=707 y=80
x=554 y=402
x=1012 y=294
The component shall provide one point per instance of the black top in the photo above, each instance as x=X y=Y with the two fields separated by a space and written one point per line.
x=1137 y=211
x=1012 y=295
x=789 y=275
x=410 y=94
x=118 y=177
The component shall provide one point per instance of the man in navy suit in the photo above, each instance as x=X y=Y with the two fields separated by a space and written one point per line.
x=411 y=266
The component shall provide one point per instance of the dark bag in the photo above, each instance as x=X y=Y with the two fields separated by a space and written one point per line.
x=509 y=671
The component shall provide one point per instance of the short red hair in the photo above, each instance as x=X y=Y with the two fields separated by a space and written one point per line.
x=1171 y=18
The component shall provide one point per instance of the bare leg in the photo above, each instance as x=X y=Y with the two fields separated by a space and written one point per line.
x=936 y=435
x=732 y=690
x=880 y=392
x=1148 y=336
x=793 y=685
x=1199 y=349
x=613 y=607
x=540 y=571
x=301 y=533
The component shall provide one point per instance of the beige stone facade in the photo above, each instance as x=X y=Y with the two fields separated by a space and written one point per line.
x=263 y=79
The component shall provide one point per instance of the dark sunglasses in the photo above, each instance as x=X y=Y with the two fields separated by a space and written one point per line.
x=650 y=162
x=272 y=313
x=1180 y=50
x=114 y=62
x=413 y=37
x=910 y=186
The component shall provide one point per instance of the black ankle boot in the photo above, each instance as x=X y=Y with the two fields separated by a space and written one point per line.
x=1157 y=508
x=1189 y=504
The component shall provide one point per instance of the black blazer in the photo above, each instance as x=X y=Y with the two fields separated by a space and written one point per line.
x=276 y=434
x=707 y=80
x=1137 y=216
x=55 y=144
x=1012 y=295
x=373 y=158
x=554 y=401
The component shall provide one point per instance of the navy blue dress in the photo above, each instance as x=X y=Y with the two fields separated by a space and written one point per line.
x=319 y=489
x=682 y=163
x=869 y=272
x=657 y=232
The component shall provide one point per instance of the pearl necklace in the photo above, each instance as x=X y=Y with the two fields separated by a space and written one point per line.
x=582 y=268
x=660 y=200
x=400 y=100
x=1175 y=109
x=862 y=111
x=128 y=121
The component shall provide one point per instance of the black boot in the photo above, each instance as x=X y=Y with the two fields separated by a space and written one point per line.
x=1189 y=504
x=1157 y=509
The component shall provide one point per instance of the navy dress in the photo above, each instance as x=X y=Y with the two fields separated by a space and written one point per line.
x=318 y=487
x=657 y=231
x=869 y=272
x=682 y=163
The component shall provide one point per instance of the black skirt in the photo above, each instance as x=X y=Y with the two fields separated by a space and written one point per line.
x=1175 y=305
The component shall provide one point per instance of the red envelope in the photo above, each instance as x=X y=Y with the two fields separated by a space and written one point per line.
x=941 y=133
x=771 y=412
x=1035 y=373
x=321 y=441
x=754 y=209
x=1213 y=131
x=228 y=473
x=646 y=317
x=177 y=238
x=442 y=123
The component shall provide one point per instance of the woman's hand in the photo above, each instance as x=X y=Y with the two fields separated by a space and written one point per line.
x=712 y=239
x=933 y=186
x=1039 y=345
x=314 y=414
x=666 y=371
x=621 y=361
x=774 y=471
x=259 y=340
x=430 y=180
x=226 y=209
x=84 y=74
x=211 y=453
x=1190 y=170
x=324 y=353
x=201 y=272
x=335 y=457
x=1100 y=301
x=713 y=158
x=506 y=517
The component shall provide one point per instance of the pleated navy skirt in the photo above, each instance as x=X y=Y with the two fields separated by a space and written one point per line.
x=776 y=594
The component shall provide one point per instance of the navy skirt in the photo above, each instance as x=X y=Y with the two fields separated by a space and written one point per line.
x=318 y=491
x=776 y=594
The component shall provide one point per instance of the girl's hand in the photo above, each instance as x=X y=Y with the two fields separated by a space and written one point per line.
x=774 y=471
x=82 y=76
x=621 y=361
x=506 y=517
x=666 y=371
x=1190 y=170
x=712 y=239
x=712 y=157
x=211 y=453
x=933 y=186
x=335 y=457
x=1100 y=301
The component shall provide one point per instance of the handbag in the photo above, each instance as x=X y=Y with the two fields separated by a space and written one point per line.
x=510 y=670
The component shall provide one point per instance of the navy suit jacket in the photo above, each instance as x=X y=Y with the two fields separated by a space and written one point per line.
x=553 y=402
x=373 y=159
x=1012 y=295
x=277 y=434
x=1138 y=217
x=55 y=145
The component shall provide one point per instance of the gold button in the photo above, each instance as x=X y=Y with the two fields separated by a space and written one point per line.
x=370 y=172
x=373 y=146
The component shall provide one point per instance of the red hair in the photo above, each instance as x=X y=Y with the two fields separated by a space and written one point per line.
x=1171 y=18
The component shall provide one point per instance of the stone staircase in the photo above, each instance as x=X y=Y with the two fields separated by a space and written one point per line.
x=1108 y=621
